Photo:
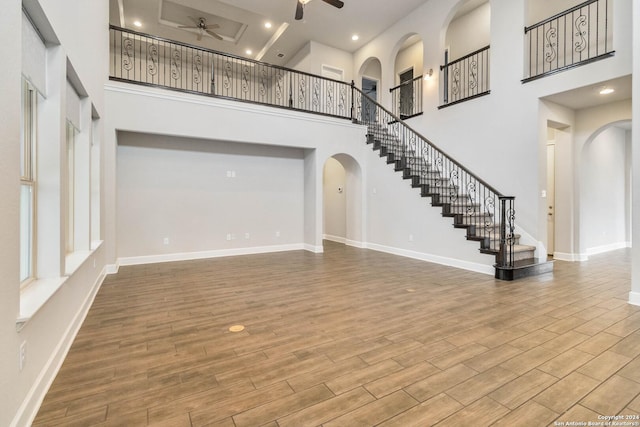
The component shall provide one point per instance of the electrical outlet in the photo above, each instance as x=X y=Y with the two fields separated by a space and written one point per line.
x=228 y=236
x=277 y=234
x=22 y=357
x=411 y=237
x=247 y=236
x=166 y=241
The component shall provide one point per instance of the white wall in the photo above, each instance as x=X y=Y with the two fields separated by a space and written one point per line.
x=312 y=138
x=590 y=122
x=335 y=201
x=605 y=189
x=402 y=222
x=314 y=55
x=72 y=28
x=410 y=57
x=14 y=385
x=180 y=189
x=539 y=10
x=469 y=32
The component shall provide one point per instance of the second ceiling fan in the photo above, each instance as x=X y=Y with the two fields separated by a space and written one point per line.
x=301 y=3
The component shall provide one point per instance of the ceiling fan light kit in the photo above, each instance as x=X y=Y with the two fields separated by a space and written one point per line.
x=300 y=6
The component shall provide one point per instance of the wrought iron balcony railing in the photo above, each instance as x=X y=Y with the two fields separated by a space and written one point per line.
x=577 y=36
x=466 y=78
x=148 y=60
x=406 y=98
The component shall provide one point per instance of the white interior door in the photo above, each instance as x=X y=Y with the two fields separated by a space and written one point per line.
x=551 y=197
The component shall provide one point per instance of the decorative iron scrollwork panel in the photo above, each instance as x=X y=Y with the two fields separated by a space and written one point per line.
x=551 y=42
x=127 y=52
x=581 y=32
x=176 y=64
x=152 y=59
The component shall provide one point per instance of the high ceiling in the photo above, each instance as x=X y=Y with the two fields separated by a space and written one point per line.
x=242 y=23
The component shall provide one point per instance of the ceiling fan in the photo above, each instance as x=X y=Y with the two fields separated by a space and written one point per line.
x=200 y=24
x=301 y=3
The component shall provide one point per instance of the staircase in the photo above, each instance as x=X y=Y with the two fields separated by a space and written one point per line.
x=471 y=205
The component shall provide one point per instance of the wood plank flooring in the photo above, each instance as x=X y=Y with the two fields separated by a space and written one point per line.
x=351 y=337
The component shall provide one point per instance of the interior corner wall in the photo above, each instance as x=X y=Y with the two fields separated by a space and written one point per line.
x=554 y=115
x=603 y=215
x=180 y=195
x=590 y=121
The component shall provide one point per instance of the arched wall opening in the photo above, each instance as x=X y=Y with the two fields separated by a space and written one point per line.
x=408 y=70
x=466 y=60
x=342 y=201
x=605 y=190
x=468 y=30
x=370 y=81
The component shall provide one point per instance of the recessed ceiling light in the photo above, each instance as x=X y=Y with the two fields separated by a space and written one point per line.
x=248 y=51
x=606 y=91
x=355 y=37
x=137 y=23
x=267 y=24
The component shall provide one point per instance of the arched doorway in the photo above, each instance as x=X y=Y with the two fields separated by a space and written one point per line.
x=342 y=200
x=605 y=190
x=406 y=93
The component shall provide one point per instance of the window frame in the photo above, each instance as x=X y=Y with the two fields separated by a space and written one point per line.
x=28 y=147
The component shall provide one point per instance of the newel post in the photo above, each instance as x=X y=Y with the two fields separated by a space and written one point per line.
x=507 y=226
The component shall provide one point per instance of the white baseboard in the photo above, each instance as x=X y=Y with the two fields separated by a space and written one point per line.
x=562 y=256
x=436 y=259
x=344 y=241
x=31 y=404
x=355 y=244
x=313 y=248
x=634 y=298
x=112 y=268
x=188 y=256
x=608 y=248
x=336 y=239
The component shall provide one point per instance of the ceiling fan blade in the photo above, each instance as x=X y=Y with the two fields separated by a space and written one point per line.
x=213 y=34
x=299 y=11
x=214 y=26
x=199 y=35
x=335 y=3
x=196 y=21
x=186 y=26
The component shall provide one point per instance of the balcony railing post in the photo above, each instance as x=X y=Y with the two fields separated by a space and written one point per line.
x=507 y=226
x=353 y=98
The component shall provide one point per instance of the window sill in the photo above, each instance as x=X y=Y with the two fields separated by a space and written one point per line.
x=74 y=260
x=36 y=294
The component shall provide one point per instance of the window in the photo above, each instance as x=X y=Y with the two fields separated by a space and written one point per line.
x=71 y=184
x=27 y=182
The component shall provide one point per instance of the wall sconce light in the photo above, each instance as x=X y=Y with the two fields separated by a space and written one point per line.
x=428 y=74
